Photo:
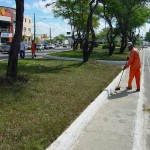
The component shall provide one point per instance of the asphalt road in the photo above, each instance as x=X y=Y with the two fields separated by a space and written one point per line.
x=38 y=53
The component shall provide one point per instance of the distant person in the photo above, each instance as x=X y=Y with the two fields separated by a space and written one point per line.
x=22 y=50
x=33 y=49
x=135 y=65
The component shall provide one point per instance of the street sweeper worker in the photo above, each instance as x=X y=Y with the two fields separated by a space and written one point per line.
x=135 y=64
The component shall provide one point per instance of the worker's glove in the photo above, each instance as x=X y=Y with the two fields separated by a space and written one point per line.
x=127 y=58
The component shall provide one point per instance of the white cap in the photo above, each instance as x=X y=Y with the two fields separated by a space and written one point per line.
x=129 y=43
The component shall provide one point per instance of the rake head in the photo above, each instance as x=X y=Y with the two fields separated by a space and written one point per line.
x=117 y=88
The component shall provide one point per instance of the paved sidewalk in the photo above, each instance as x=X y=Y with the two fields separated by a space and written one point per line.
x=117 y=123
x=113 y=126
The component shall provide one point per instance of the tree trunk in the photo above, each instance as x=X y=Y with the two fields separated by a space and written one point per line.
x=123 y=43
x=87 y=50
x=111 y=35
x=75 y=44
x=111 y=48
x=132 y=37
x=14 y=49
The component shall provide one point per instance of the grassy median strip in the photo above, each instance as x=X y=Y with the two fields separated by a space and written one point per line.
x=98 y=53
x=34 y=113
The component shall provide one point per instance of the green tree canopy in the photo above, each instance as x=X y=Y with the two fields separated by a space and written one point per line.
x=147 y=37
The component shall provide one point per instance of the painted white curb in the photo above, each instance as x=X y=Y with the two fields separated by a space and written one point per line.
x=70 y=135
x=139 y=124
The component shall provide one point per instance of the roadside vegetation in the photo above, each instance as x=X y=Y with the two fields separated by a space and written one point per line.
x=35 y=111
x=40 y=98
x=97 y=54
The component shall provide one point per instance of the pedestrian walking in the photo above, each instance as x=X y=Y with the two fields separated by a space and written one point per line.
x=135 y=65
x=33 y=49
x=22 y=50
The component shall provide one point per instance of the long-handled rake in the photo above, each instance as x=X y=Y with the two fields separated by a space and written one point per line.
x=118 y=86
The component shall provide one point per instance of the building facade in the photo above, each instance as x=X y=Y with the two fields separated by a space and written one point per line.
x=27 y=28
x=8 y=23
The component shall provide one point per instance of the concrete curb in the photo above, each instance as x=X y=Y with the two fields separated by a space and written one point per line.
x=138 y=143
x=70 y=135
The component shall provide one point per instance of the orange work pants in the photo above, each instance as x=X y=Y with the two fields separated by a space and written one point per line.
x=134 y=73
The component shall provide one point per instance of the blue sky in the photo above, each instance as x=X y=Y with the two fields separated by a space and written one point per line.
x=57 y=25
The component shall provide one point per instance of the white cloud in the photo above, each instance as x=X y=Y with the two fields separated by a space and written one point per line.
x=41 y=5
x=56 y=28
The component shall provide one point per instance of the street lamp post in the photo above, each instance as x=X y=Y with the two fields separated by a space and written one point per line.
x=34 y=28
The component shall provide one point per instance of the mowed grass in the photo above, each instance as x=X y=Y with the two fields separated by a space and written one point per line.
x=98 y=53
x=34 y=114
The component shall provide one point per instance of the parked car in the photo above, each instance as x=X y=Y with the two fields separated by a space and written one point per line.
x=46 y=46
x=39 y=47
x=51 y=46
x=5 y=47
x=64 y=45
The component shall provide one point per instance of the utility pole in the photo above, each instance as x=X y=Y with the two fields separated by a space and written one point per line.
x=50 y=34
x=34 y=28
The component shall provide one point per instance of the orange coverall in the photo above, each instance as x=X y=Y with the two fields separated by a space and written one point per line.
x=33 y=49
x=135 y=65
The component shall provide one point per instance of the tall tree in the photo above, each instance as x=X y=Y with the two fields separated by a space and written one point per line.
x=89 y=44
x=124 y=13
x=136 y=21
x=60 y=38
x=76 y=11
x=105 y=11
x=13 y=55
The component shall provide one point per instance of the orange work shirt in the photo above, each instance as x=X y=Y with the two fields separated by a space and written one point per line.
x=134 y=60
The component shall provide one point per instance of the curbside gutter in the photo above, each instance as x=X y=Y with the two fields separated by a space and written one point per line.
x=70 y=135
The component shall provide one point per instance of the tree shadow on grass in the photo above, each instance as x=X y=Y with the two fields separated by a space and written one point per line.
x=25 y=70
x=42 y=68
